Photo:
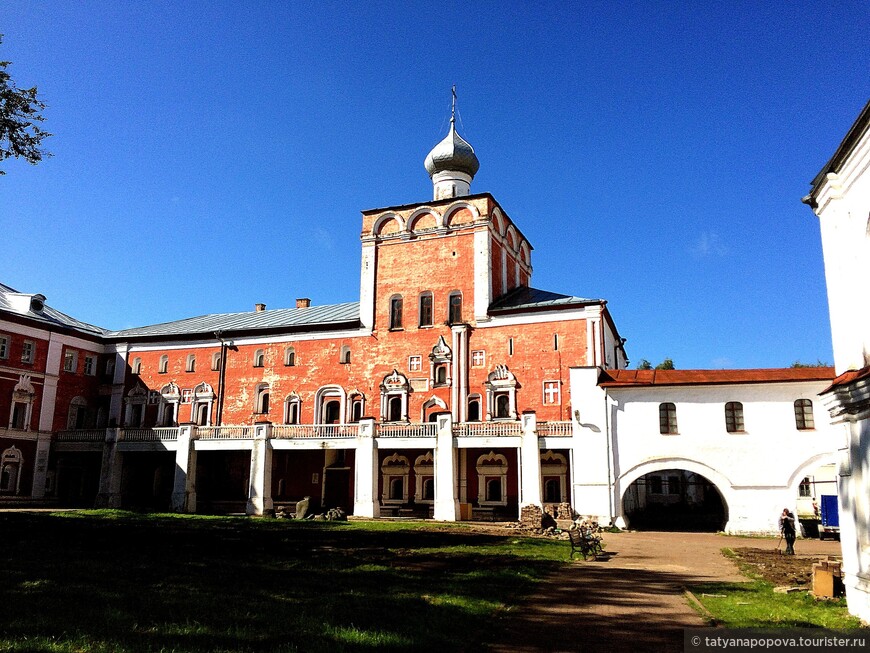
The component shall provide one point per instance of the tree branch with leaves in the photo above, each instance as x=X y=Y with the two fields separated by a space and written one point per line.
x=20 y=113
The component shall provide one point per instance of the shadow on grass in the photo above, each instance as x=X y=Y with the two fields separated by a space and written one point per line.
x=127 y=582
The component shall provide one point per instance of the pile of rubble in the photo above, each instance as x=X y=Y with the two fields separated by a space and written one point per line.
x=333 y=514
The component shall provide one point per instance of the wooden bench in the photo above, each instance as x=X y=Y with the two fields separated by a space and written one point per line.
x=584 y=542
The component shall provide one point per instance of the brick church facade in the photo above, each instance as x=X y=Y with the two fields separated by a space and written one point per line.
x=453 y=388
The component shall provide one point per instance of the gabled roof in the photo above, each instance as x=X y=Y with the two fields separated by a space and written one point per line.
x=16 y=303
x=640 y=378
x=281 y=318
x=523 y=298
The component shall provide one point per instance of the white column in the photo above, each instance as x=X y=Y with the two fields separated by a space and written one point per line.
x=109 y=495
x=365 y=484
x=40 y=469
x=446 y=502
x=184 y=487
x=530 y=462
x=260 y=488
x=49 y=385
x=116 y=404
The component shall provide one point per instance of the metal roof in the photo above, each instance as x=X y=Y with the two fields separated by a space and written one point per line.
x=290 y=318
x=12 y=301
x=524 y=297
x=646 y=378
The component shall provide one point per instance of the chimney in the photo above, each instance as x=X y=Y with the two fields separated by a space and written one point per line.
x=303 y=302
x=259 y=307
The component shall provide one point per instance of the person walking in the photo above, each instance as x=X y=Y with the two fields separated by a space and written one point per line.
x=787 y=529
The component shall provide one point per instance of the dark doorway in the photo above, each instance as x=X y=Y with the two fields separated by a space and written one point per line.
x=674 y=500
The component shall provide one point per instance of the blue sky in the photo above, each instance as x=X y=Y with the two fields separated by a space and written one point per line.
x=210 y=155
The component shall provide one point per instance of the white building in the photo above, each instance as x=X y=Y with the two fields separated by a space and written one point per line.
x=731 y=446
x=840 y=197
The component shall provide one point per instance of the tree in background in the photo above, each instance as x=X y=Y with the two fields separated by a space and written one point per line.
x=666 y=364
x=818 y=363
x=20 y=137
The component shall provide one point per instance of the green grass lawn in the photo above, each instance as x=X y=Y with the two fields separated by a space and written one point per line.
x=124 y=582
x=754 y=604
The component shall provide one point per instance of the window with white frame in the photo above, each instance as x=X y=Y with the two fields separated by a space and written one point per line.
x=187 y=396
x=344 y=357
x=167 y=409
x=424 y=473
x=77 y=417
x=478 y=358
x=492 y=471
x=259 y=358
x=262 y=399
x=90 y=365
x=394 y=397
x=552 y=392
x=191 y=363
x=501 y=394
x=394 y=479
x=164 y=364
x=803 y=415
x=289 y=357
x=554 y=475
x=203 y=399
x=216 y=361
x=134 y=406
x=10 y=470
x=22 y=404
x=356 y=407
x=4 y=346
x=136 y=367
x=440 y=363
x=292 y=409
x=70 y=360
x=415 y=363
x=27 y=351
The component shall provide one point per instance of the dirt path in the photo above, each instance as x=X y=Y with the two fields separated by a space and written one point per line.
x=633 y=601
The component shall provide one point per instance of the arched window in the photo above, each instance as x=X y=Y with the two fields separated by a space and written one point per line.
x=441 y=374
x=289 y=357
x=394 y=409
x=216 y=361
x=501 y=397
x=492 y=470
x=10 y=471
x=667 y=419
x=426 y=309
x=424 y=472
x=191 y=363
x=262 y=399
x=164 y=364
x=202 y=400
x=344 y=358
x=167 y=411
x=136 y=368
x=292 y=409
x=329 y=404
x=169 y=414
x=20 y=416
x=394 y=472
x=734 y=417
x=454 y=308
x=134 y=412
x=394 y=397
x=554 y=475
x=77 y=417
x=502 y=405
x=396 y=312
x=259 y=358
x=357 y=403
x=803 y=415
x=473 y=409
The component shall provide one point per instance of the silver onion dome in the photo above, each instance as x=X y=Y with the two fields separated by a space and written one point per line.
x=453 y=153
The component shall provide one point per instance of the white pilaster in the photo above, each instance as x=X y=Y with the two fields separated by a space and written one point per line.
x=184 y=486
x=260 y=488
x=482 y=275
x=49 y=387
x=116 y=404
x=530 y=462
x=367 y=286
x=446 y=502
x=111 y=468
x=43 y=447
x=365 y=486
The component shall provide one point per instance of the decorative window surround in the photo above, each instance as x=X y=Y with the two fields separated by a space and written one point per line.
x=10 y=471
x=261 y=398
x=167 y=409
x=395 y=387
x=292 y=409
x=492 y=468
x=440 y=369
x=394 y=473
x=554 y=466
x=21 y=411
x=424 y=473
x=134 y=407
x=501 y=383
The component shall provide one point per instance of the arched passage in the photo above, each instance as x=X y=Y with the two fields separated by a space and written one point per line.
x=674 y=496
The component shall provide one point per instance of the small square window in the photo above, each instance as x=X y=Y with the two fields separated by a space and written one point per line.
x=415 y=363
x=478 y=358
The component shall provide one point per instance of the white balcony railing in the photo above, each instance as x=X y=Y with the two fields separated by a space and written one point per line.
x=287 y=431
x=149 y=435
x=225 y=432
x=427 y=430
x=555 y=429
x=486 y=429
x=82 y=435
